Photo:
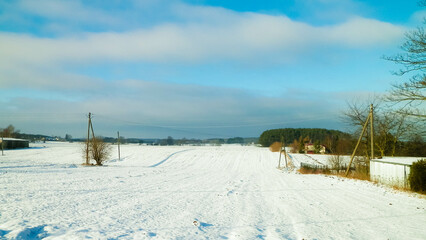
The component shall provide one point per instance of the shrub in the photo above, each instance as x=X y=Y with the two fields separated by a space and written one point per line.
x=417 y=177
x=335 y=162
x=275 y=147
x=98 y=150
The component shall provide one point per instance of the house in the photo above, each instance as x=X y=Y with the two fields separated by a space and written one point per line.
x=310 y=149
x=12 y=143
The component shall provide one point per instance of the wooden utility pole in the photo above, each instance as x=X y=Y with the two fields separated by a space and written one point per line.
x=285 y=157
x=369 y=118
x=118 y=143
x=279 y=161
x=281 y=150
x=372 y=130
x=88 y=139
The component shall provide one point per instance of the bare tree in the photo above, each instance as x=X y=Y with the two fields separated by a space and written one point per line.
x=356 y=115
x=99 y=150
x=335 y=162
x=9 y=131
x=389 y=128
x=410 y=95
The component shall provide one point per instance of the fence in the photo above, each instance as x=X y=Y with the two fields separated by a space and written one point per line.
x=390 y=172
x=324 y=168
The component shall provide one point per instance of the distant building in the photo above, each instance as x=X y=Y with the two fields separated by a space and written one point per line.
x=13 y=143
x=310 y=148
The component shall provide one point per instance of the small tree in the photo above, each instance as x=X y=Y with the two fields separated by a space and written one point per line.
x=335 y=162
x=295 y=146
x=170 y=141
x=68 y=137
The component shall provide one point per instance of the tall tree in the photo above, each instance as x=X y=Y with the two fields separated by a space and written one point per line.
x=410 y=94
x=389 y=129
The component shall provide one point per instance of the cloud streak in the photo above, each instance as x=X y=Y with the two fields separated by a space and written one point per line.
x=191 y=108
x=247 y=37
x=243 y=37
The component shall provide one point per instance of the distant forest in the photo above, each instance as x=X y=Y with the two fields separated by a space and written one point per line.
x=338 y=142
x=290 y=134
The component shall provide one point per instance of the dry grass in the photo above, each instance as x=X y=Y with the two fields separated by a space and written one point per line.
x=360 y=175
x=312 y=171
x=356 y=175
x=275 y=147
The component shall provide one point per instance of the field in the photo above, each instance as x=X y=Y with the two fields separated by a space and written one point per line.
x=192 y=192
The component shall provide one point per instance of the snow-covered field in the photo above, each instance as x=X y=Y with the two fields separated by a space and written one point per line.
x=186 y=192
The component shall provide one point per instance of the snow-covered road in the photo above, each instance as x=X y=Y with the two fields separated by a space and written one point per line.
x=192 y=192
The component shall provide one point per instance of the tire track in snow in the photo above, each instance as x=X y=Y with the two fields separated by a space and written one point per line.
x=167 y=158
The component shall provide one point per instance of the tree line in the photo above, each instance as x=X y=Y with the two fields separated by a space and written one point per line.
x=388 y=141
x=335 y=141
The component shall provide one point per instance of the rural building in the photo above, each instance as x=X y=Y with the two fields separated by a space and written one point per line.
x=392 y=171
x=12 y=143
x=310 y=148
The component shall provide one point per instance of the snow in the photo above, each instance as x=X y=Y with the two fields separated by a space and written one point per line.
x=192 y=192
x=399 y=160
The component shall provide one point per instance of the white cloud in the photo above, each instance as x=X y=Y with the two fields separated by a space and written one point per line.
x=360 y=32
x=249 y=36
x=27 y=60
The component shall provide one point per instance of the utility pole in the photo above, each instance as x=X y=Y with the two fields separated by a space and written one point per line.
x=88 y=138
x=279 y=161
x=372 y=130
x=118 y=142
x=281 y=150
x=285 y=156
x=369 y=118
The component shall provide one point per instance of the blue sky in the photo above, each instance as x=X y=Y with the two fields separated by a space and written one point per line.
x=194 y=68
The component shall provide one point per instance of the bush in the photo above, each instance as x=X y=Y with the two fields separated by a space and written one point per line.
x=98 y=150
x=275 y=147
x=417 y=177
x=335 y=162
